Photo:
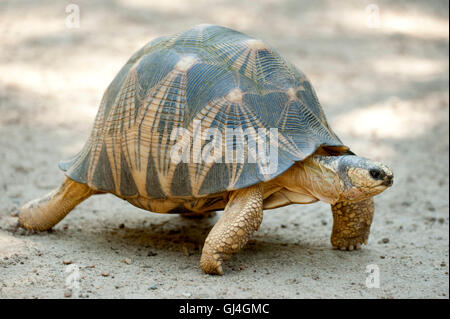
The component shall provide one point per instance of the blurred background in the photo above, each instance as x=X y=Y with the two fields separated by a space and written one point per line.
x=381 y=72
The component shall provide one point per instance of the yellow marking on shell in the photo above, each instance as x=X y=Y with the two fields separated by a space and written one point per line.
x=235 y=168
x=113 y=151
x=151 y=138
x=185 y=63
x=255 y=44
x=199 y=171
x=249 y=56
x=234 y=96
x=291 y=92
x=120 y=114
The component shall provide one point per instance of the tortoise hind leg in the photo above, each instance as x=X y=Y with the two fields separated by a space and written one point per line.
x=43 y=213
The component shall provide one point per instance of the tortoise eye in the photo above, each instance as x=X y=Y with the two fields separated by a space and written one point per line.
x=375 y=173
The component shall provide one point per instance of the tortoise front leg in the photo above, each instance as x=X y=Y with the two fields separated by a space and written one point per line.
x=43 y=213
x=241 y=217
x=351 y=226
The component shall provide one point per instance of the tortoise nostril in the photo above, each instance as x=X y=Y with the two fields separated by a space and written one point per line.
x=376 y=173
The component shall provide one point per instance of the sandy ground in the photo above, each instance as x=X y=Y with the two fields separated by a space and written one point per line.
x=384 y=87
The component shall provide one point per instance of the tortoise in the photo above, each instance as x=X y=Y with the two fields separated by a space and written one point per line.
x=152 y=144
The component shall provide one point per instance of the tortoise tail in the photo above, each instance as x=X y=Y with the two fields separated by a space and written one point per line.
x=43 y=213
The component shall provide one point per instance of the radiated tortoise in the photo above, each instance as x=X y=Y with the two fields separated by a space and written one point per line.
x=211 y=119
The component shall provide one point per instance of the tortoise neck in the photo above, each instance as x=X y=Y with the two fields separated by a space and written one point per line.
x=316 y=176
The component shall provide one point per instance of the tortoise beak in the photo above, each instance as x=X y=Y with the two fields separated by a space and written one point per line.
x=388 y=180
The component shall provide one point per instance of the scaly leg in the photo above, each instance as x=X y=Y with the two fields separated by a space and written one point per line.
x=43 y=213
x=241 y=217
x=351 y=226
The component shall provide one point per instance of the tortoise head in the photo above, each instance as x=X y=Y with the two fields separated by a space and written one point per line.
x=362 y=178
x=337 y=178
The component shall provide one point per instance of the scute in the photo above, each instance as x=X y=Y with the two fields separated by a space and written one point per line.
x=209 y=77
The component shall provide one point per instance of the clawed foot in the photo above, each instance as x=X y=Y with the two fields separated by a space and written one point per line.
x=353 y=243
x=14 y=226
x=211 y=264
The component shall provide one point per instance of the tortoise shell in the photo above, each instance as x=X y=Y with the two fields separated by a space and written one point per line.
x=212 y=75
